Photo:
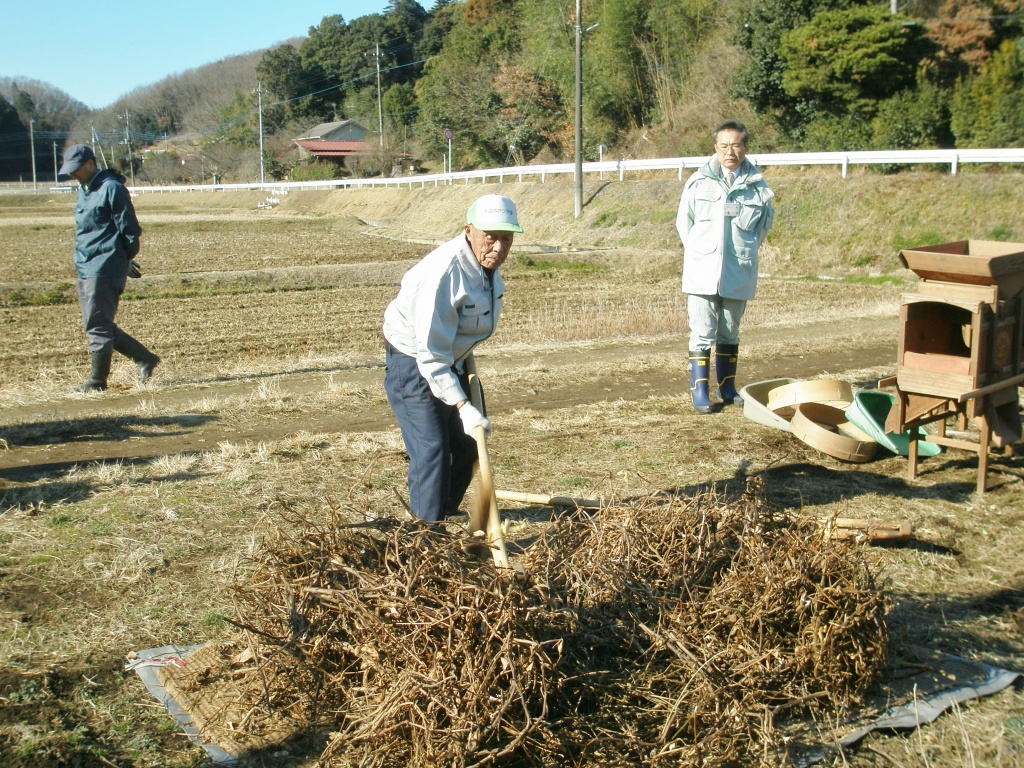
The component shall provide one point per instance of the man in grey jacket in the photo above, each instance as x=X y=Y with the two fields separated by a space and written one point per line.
x=448 y=303
x=724 y=215
x=106 y=243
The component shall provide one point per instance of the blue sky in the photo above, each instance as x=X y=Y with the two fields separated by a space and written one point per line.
x=99 y=51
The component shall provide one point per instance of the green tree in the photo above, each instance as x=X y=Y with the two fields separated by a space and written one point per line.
x=988 y=109
x=760 y=29
x=281 y=74
x=917 y=118
x=459 y=97
x=674 y=33
x=320 y=55
x=836 y=133
x=399 y=106
x=439 y=23
x=355 y=65
x=615 y=75
x=361 y=106
x=848 y=60
x=17 y=156
x=404 y=23
x=548 y=46
x=457 y=88
x=9 y=120
x=315 y=170
x=531 y=116
x=239 y=121
x=25 y=104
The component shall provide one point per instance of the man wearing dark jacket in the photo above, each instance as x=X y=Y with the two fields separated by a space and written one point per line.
x=106 y=243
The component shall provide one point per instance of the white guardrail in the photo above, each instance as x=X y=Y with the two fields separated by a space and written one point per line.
x=615 y=168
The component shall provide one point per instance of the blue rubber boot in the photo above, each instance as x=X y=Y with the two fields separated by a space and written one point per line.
x=700 y=369
x=726 y=356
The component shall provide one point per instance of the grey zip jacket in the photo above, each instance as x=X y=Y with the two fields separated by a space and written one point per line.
x=447 y=304
x=720 y=250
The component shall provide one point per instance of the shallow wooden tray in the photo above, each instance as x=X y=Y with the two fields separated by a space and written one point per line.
x=976 y=262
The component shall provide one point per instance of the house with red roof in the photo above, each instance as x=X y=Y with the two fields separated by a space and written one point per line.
x=334 y=141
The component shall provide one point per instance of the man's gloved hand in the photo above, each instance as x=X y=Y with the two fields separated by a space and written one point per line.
x=134 y=270
x=472 y=418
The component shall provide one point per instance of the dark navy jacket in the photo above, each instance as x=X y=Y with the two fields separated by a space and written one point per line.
x=106 y=228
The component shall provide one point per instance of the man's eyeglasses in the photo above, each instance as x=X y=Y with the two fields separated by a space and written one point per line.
x=738 y=147
x=504 y=237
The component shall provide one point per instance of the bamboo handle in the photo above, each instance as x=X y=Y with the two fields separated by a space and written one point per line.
x=484 y=515
x=886 y=531
x=495 y=536
x=548 y=501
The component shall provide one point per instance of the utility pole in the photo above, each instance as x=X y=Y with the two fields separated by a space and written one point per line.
x=578 y=172
x=128 y=141
x=32 y=149
x=95 y=142
x=259 y=100
x=380 y=107
x=55 y=179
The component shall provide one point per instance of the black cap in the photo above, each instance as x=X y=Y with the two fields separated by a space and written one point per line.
x=75 y=157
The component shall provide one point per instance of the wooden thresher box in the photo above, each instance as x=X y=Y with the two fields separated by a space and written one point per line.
x=960 y=347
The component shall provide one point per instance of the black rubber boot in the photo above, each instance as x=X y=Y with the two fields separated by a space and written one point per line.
x=100 y=371
x=726 y=356
x=146 y=367
x=700 y=369
x=136 y=351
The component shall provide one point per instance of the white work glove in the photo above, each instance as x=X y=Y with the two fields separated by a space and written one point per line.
x=472 y=418
x=134 y=270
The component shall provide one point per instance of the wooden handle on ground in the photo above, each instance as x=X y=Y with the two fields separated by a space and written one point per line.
x=548 y=501
x=874 y=531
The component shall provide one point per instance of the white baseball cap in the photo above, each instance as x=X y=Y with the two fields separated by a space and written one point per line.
x=494 y=213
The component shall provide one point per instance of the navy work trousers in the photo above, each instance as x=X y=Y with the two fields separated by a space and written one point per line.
x=441 y=454
x=99 y=298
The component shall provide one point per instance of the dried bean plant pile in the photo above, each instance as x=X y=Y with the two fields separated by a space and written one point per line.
x=666 y=631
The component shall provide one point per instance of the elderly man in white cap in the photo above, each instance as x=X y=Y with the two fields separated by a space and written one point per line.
x=448 y=303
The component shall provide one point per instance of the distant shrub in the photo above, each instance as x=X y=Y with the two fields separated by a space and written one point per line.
x=913 y=119
x=829 y=133
x=988 y=109
x=1000 y=232
x=315 y=171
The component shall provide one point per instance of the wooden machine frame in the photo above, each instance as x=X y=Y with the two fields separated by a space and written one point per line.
x=960 y=348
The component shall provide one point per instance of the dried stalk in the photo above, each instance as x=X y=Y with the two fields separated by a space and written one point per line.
x=668 y=632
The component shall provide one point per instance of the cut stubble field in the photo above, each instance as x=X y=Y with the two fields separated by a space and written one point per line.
x=123 y=514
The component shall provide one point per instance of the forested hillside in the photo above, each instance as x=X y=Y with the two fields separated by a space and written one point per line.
x=500 y=74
